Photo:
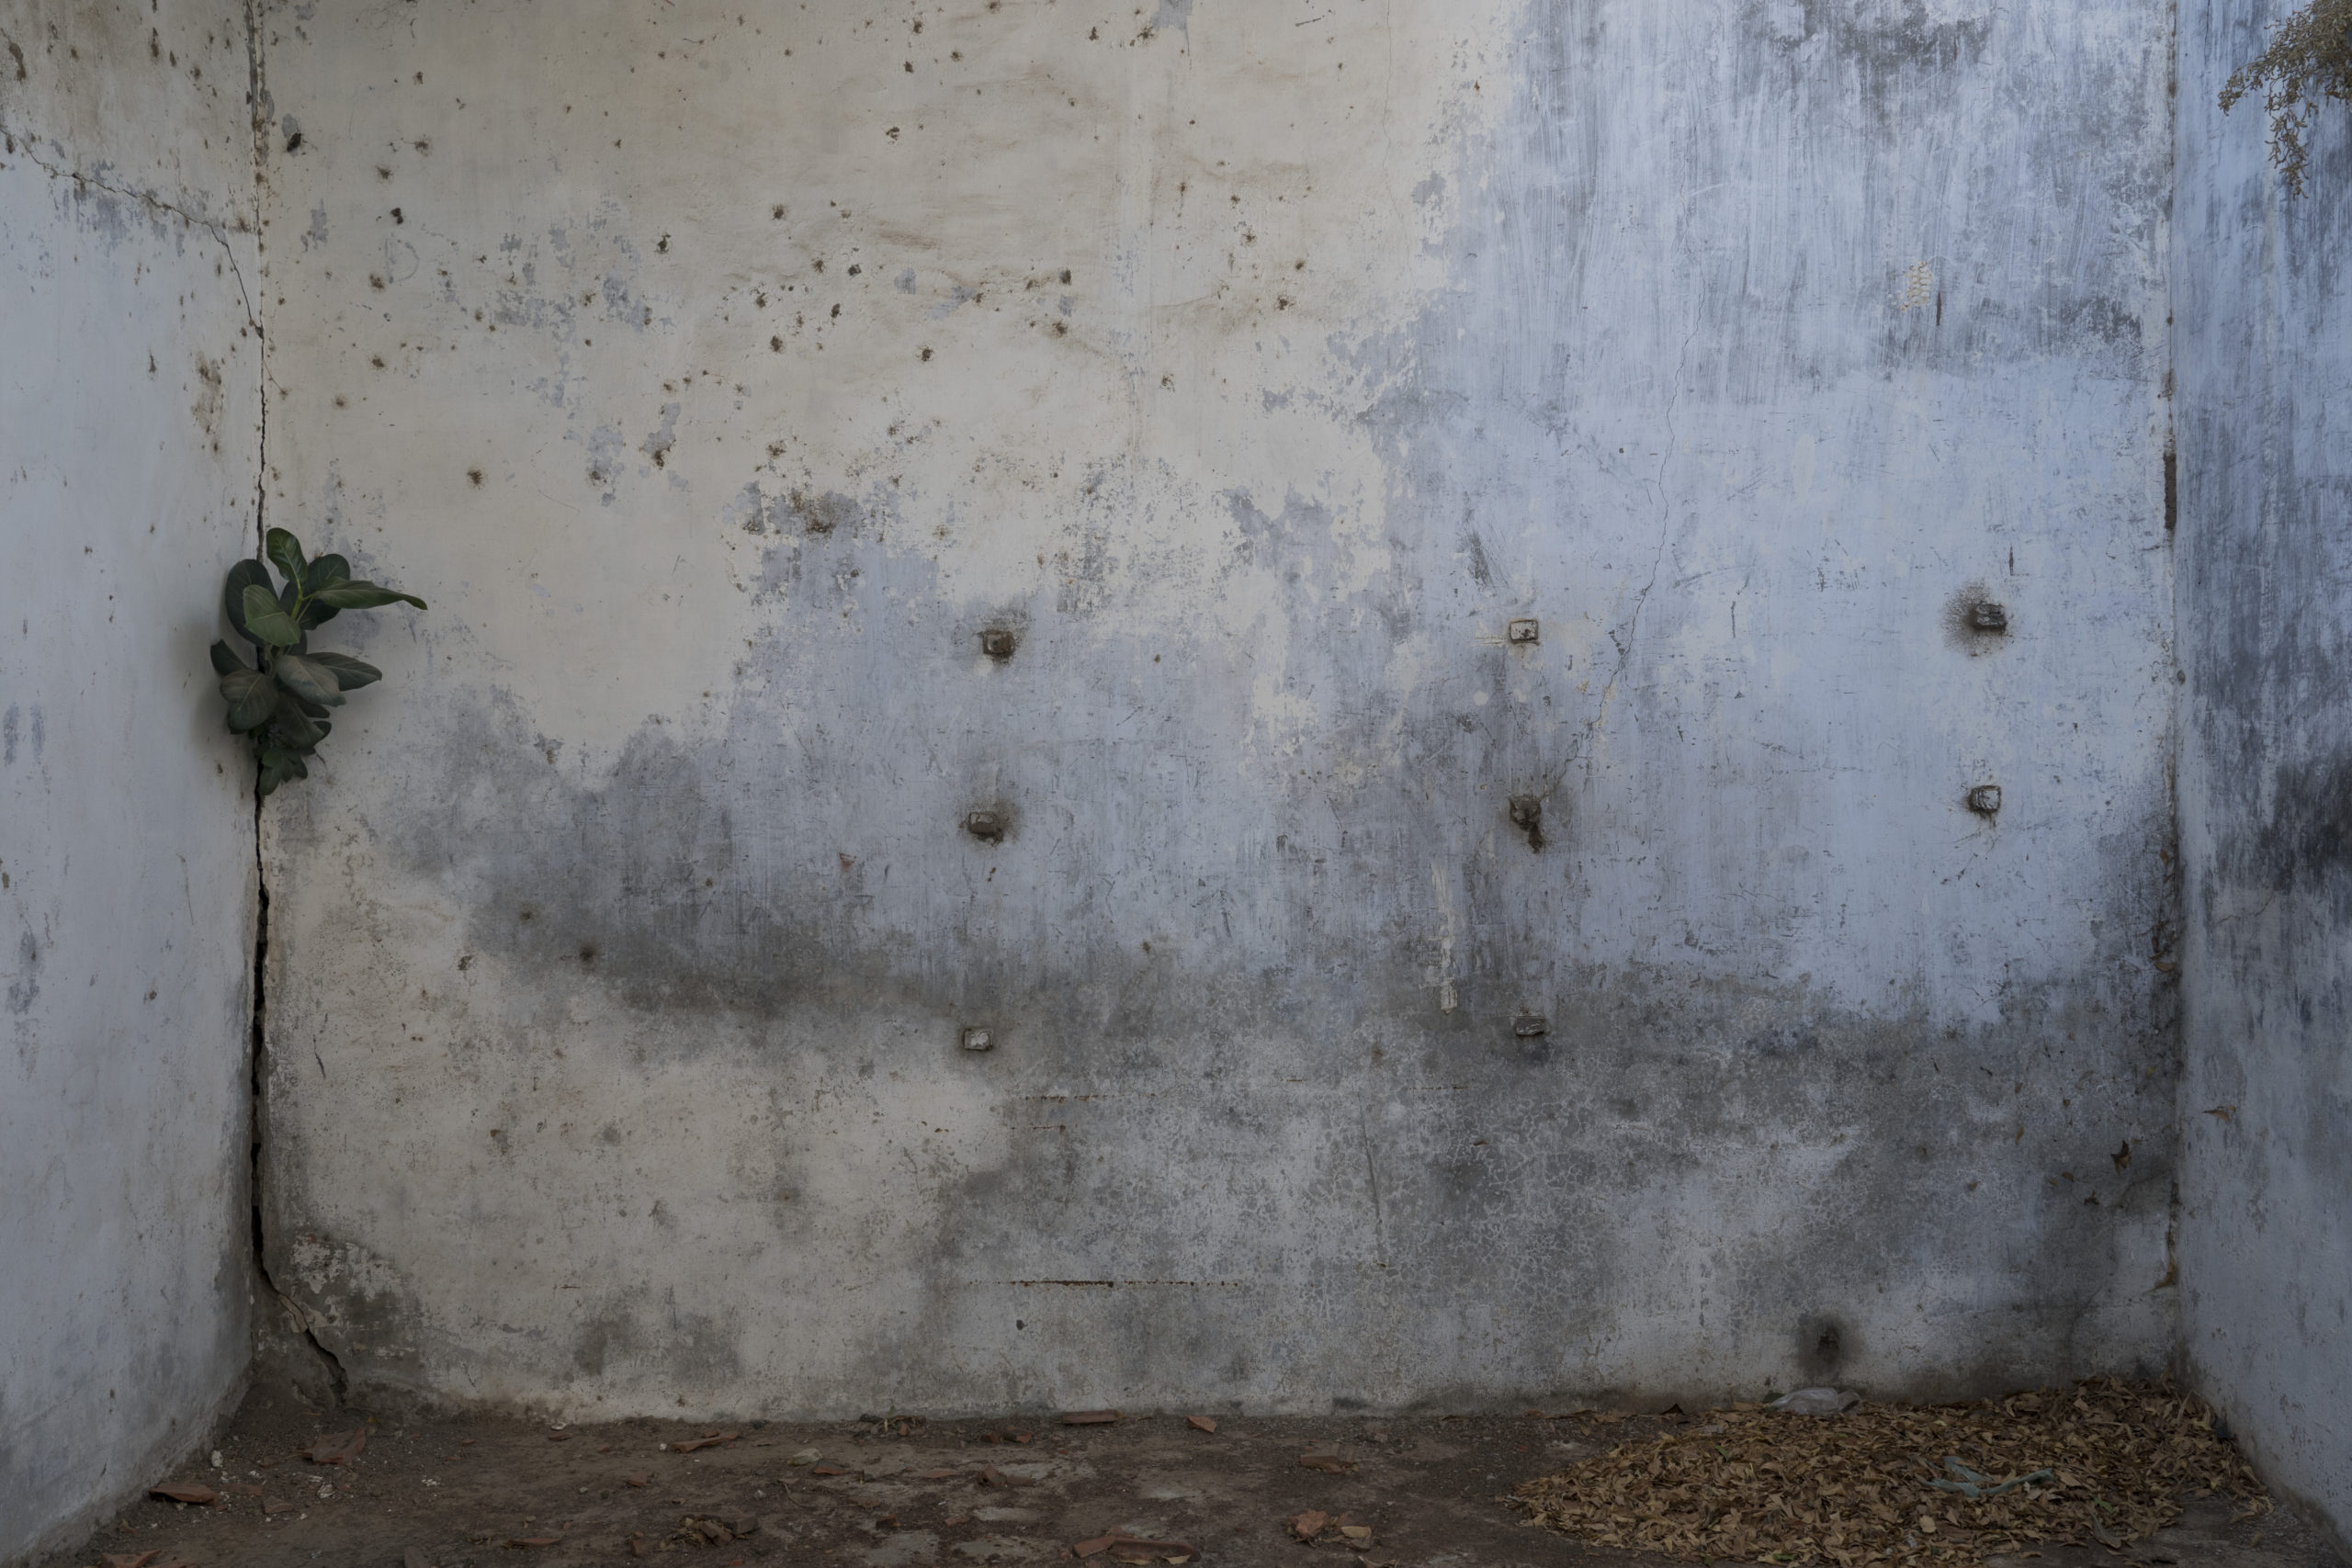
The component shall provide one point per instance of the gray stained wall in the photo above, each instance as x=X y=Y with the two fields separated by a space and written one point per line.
x=2266 y=352
x=129 y=374
x=724 y=375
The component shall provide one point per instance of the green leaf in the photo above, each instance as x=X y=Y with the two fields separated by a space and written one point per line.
x=365 y=596
x=305 y=678
x=225 y=660
x=243 y=575
x=325 y=573
x=349 y=672
x=266 y=622
x=306 y=705
x=293 y=727
x=252 y=698
x=278 y=765
x=286 y=553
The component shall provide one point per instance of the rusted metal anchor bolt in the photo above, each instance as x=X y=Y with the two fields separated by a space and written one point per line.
x=1988 y=618
x=1986 y=800
x=998 y=643
x=985 y=826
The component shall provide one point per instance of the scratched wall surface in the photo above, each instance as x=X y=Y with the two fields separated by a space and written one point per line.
x=722 y=374
x=2266 y=1257
x=129 y=405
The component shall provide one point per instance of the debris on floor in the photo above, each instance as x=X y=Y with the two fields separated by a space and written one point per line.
x=458 y=1489
x=2105 y=1463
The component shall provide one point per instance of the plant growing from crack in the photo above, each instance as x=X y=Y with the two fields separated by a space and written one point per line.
x=2309 y=60
x=281 y=702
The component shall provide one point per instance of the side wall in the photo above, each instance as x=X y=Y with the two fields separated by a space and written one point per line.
x=2265 y=536
x=129 y=454
x=722 y=375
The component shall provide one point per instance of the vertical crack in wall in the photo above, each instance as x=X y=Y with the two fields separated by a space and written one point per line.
x=315 y=1368
x=2164 y=944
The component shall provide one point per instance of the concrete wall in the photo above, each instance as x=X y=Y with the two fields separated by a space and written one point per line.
x=721 y=374
x=128 y=416
x=2265 y=358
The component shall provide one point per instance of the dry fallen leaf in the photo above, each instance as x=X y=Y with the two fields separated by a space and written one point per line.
x=337 y=1448
x=525 y=1542
x=2105 y=1462
x=1310 y=1524
x=712 y=1441
x=827 y=1470
x=1087 y=1418
x=1332 y=1464
x=1088 y=1548
x=633 y=1480
x=185 y=1492
x=1201 y=1423
x=1359 y=1534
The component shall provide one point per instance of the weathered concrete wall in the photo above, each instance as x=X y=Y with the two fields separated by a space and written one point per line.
x=722 y=374
x=2265 y=358
x=128 y=411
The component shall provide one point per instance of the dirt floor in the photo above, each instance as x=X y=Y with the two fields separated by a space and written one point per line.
x=449 y=1492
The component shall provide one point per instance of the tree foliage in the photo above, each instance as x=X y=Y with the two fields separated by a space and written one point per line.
x=280 y=701
x=2308 y=62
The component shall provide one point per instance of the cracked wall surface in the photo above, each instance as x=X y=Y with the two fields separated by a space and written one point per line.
x=128 y=411
x=2266 y=776
x=724 y=376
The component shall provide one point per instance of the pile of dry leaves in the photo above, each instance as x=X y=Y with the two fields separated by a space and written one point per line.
x=2103 y=1462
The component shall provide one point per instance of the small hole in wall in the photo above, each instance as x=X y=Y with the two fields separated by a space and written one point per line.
x=588 y=953
x=474 y=474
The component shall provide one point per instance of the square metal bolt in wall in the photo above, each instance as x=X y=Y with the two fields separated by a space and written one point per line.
x=1984 y=800
x=1986 y=617
x=985 y=826
x=999 y=643
x=978 y=1040
x=1531 y=1026
x=1526 y=630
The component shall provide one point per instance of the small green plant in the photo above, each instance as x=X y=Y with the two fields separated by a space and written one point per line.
x=282 y=703
x=2309 y=60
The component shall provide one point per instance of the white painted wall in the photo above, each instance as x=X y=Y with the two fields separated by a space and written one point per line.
x=2266 y=1255
x=719 y=373
x=128 y=412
